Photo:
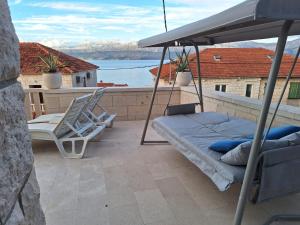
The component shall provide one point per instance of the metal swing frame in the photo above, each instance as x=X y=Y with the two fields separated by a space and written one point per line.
x=250 y=20
x=258 y=138
x=198 y=90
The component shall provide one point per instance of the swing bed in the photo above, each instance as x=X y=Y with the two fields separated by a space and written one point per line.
x=191 y=133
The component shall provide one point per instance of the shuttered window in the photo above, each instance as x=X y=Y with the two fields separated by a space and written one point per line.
x=294 y=90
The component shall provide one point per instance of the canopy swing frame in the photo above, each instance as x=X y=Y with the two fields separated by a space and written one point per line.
x=255 y=152
x=199 y=92
x=252 y=19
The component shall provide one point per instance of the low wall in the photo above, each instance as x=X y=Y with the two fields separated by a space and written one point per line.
x=128 y=103
x=242 y=107
x=133 y=103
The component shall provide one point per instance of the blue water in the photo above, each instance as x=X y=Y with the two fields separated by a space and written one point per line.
x=139 y=77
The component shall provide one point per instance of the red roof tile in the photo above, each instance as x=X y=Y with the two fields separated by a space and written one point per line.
x=30 y=61
x=234 y=62
x=105 y=84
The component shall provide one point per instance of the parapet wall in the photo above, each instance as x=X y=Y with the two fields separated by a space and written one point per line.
x=242 y=107
x=128 y=103
x=133 y=103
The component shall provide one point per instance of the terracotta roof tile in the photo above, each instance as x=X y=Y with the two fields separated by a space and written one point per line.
x=30 y=62
x=107 y=84
x=234 y=62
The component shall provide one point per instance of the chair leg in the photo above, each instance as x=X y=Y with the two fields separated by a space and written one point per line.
x=287 y=218
x=72 y=154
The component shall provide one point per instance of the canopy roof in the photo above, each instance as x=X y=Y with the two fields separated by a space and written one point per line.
x=250 y=20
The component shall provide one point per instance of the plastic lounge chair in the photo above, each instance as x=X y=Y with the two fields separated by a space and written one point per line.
x=103 y=117
x=88 y=114
x=70 y=136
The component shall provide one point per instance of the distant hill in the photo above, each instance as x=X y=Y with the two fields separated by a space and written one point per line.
x=120 y=51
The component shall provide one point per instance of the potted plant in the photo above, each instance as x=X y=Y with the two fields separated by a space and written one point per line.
x=184 y=75
x=51 y=77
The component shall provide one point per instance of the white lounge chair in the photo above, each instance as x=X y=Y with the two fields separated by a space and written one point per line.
x=70 y=136
x=103 y=117
x=88 y=113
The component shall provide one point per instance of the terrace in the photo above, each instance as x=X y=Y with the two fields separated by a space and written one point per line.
x=121 y=182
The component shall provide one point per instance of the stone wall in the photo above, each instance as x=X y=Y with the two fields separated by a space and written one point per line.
x=133 y=103
x=278 y=89
x=128 y=103
x=16 y=158
x=242 y=107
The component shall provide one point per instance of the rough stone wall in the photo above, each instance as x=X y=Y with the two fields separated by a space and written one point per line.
x=16 y=158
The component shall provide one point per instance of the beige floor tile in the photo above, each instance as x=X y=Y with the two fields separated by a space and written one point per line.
x=153 y=206
x=92 y=216
x=139 y=177
x=121 y=197
x=116 y=178
x=125 y=215
x=171 y=187
x=170 y=221
x=160 y=170
x=186 y=211
x=60 y=217
x=121 y=182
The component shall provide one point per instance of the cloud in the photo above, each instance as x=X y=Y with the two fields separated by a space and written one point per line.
x=69 y=22
x=67 y=6
x=14 y=2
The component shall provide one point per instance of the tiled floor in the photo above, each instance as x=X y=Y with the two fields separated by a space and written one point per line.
x=123 y=183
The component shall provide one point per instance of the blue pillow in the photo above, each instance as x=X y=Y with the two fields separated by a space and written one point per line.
x=279 y=132
x=224 y=146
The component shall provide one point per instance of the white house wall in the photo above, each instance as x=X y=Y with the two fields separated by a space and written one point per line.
x=68 y=80
x=92 y=82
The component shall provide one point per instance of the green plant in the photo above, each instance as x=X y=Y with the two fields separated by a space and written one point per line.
x=51 y=63
x=181 y=62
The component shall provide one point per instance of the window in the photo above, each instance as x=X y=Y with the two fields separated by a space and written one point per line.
x=294 y=92
x=220 y=87
x=265 y=87
x=248 y=90
x=223 y=88
x=88 y=75
x=77 y=79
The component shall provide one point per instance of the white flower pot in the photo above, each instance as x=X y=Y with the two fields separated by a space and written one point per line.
x=52 y=80
x=184 y=78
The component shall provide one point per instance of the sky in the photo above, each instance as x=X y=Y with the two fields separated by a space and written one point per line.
x=80 y=21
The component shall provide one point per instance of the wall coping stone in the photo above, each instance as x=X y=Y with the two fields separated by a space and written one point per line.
x=287 y=111
x=90 y=89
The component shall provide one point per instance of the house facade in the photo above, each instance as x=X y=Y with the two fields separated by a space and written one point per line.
x=75 y=73
x=240 y=71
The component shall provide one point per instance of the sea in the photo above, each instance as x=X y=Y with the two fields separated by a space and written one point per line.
x=135 y=73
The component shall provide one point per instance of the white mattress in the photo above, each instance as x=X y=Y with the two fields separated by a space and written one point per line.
x=192 y=134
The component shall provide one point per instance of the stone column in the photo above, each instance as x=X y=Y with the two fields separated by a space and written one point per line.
x=19 y=190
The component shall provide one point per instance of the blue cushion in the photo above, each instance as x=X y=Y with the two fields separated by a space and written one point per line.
x=224 y=146
x=279 y=132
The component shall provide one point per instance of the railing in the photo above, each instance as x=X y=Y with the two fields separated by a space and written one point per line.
x=34 y=103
